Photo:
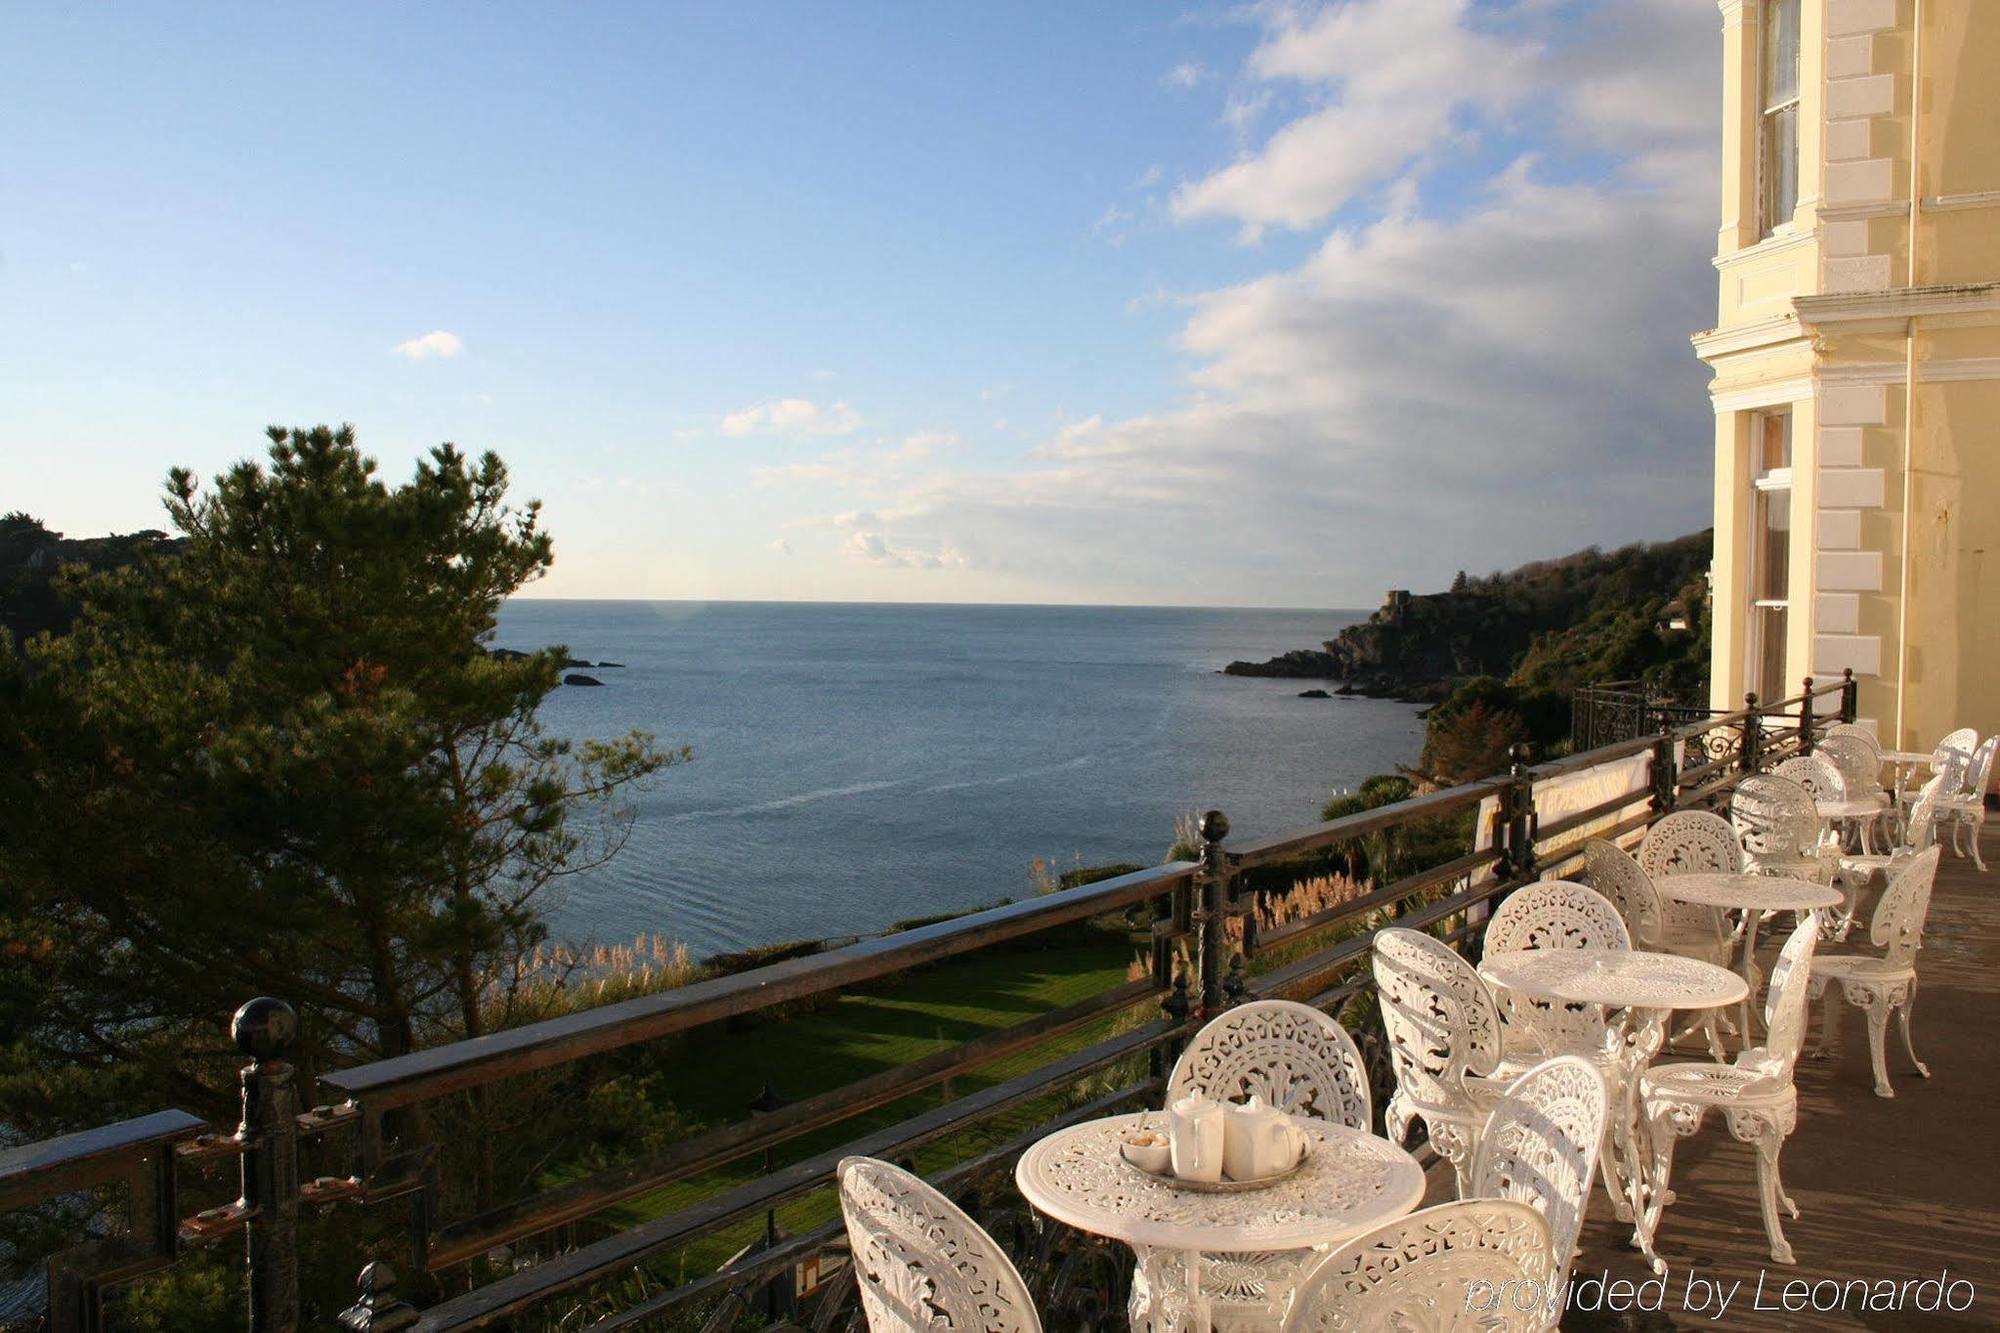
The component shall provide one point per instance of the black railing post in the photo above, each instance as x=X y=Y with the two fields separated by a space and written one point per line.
x=1753 y=735
x=1850 y=695
x=379 y=1310
x=1808 y=716
x=1521 y=825
x=1666 y=773
x=1214 y=915
x=264 y=1030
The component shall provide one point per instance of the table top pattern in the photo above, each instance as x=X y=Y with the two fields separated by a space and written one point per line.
x=1753 y=893
x=1351 y=1182
x=1618 y=978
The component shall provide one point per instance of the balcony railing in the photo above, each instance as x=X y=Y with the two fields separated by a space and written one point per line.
x=1216 y=930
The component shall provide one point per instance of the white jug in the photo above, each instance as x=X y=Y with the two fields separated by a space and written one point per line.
x=1195 y=1134
x=1259 y=1141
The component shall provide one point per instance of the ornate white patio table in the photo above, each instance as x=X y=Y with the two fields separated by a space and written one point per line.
x=1752 y=895
x=1640 y=990
x=1350 y=1182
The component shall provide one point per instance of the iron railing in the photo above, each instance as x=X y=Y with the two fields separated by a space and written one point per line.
x=1215 y=934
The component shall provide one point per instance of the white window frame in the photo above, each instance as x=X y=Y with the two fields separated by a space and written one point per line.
x=1766 y=113
x=1765 y=483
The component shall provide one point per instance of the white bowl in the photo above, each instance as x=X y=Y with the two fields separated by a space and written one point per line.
x=1157 y=1160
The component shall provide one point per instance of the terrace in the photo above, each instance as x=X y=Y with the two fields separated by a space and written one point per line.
x=955 y=1045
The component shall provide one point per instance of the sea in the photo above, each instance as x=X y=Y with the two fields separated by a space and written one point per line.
x=856 y=765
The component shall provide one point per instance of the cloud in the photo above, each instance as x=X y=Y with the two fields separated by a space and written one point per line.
x=779 y=546
x=1112 y=225
x=792 y=416
x=1187 y=74
x=437 y=345
x=875 y=549
x=1501 y=380
x=923 y=444
x=1392 y=73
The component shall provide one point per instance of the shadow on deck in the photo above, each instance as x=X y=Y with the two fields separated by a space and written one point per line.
x=1901 y=1188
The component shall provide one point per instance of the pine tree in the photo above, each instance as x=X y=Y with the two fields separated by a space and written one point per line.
x=281 y=761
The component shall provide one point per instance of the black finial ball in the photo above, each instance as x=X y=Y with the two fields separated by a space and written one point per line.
x=264 y=1028
x=1519 y=752
x=1750 y=699
x=1215 y=826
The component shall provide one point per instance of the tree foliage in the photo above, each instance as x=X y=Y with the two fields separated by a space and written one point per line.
x=280 y=761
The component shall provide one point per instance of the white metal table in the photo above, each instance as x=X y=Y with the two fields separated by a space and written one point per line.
x=1640 y=990
x=1351 y=1181
x=1752 y=895
x=1862 y=812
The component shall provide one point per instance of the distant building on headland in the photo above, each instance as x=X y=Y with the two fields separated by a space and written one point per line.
x=1857 y=359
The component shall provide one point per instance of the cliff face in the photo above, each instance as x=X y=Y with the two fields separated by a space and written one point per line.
x=1414 y=647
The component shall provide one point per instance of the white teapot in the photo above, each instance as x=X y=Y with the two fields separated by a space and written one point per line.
x=1195 y=1138
x=1259 y=1141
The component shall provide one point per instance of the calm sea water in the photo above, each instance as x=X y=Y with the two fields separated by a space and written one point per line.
x=855 y=765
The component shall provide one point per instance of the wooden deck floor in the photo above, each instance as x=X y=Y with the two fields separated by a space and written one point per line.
x=1903 y=1188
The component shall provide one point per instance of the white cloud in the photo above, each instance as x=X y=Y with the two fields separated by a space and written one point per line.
x=1187 y=74
x=1150 y=177
x=792 y=416
x=875 y=549
x=1393 y=73
x=779 y=546
x=923 y=444
x=1423 y=392
x=437 y=345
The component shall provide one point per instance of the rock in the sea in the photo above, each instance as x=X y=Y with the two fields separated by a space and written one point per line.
x=578 y=678
x=1314 y=694
x=603 y=664
x=507 y=654
x=578 y=662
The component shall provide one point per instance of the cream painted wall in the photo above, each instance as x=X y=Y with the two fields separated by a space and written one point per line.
x=1818 y=315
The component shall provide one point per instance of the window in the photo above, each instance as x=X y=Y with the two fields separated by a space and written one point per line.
x=1770 y=552
x=1778 y=116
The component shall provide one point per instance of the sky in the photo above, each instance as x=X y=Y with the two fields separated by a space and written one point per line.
x=1269 y=305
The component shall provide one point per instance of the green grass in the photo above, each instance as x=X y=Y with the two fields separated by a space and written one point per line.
x=714 y=1074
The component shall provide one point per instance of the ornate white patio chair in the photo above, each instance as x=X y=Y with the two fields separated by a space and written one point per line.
x=1858 y=760
x=1691 y=842
x=1541 y=1146
x=1453 y=1268
x=1294 y=1056
x=1858 y=872
x=1444 y=1041
x=921 y=1263
x=1659 y=923
x=1781 y=830
x=1299 y=1060
x=1553 y=914
x=1885 y=983
x=1754 y=1093
x=1965 y=809
x=1955 y=749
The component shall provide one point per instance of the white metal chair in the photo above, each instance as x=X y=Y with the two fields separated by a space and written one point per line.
x=1691 y=842
x=1754 y=1093
x=1956 y=748
x=1919 y=835
x=1541 y=1147
x=921 y=1263
x=1965 y=809
x=1553 y=914
x=1444 y=1041
x=1301 y=1061
x=1886 y=983
x=1659 y=923
x=1454 y=1268
x=1858 y=760
x=1295 y=1057
x=1782 y=833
